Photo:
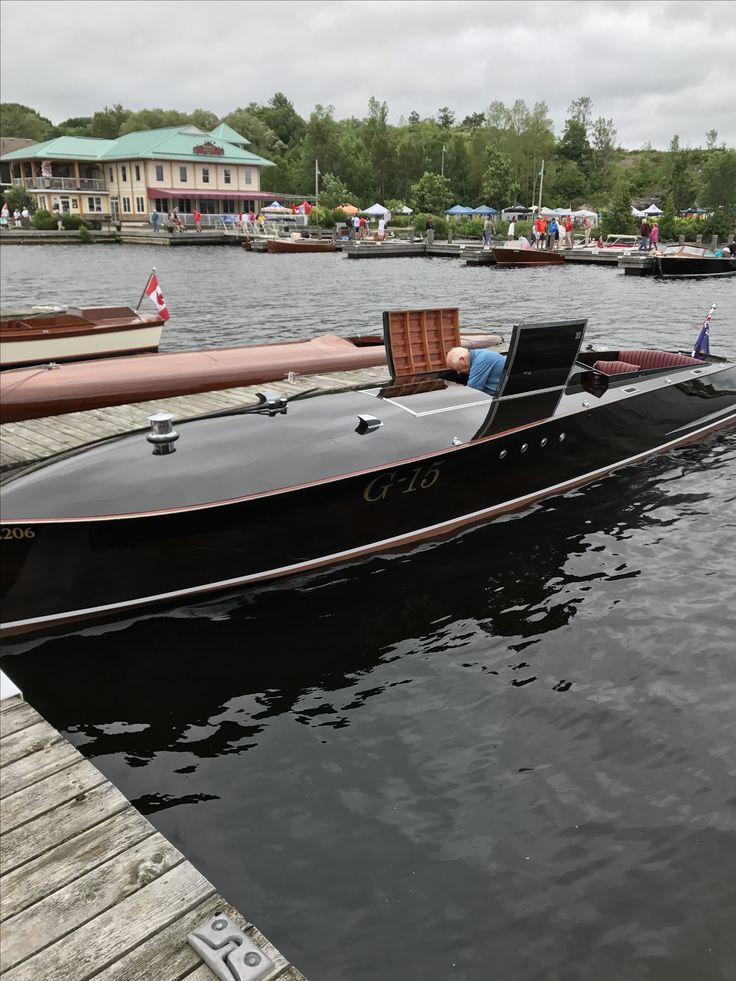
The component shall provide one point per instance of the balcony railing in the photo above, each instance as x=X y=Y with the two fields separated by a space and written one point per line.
x=60 y=183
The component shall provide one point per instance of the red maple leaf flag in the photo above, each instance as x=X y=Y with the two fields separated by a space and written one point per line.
x=153 y=291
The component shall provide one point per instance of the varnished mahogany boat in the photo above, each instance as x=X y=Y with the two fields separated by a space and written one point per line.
x=29 y=393
x=235 y=499
x=295 y=245
x=507 y=256
x=40 y=336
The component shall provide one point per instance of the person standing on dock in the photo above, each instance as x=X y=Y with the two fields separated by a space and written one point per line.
x=155 y=220
x=568 y=232
x=197 y=221
x=512 y=229
x=586 y=228
x=645 y=231
x=59 y=221
x=487 y=232
x=654 y=236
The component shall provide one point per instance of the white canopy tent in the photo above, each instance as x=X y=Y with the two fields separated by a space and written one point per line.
x=652 y=210
x=377 y=209
x=638 y=214
x=407 y=211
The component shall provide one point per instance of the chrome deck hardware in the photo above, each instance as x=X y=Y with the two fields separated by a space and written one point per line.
x=162 y=434
x=228 y=952
x=368 y=424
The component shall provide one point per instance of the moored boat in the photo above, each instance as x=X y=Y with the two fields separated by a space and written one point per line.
x=296 y=245
x=32 y=337
x=691 y=262
x=27 y=393
x=505 y=255
x=237 y=499
x=612 y=245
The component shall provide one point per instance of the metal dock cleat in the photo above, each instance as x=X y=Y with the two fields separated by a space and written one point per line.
x=228 y=952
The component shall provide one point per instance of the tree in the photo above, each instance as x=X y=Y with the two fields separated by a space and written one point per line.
x=334 y=192
x=24 y=123
x=604 y=150
x=566 y=182
x=107 y=123
x=618 y=220
x=711 y=138
x=151 y=119
x=445 y=117
x=581 y=111
x=432 y=194
x=203 y=119
x=280 y=116
x=474 y=121
x=682 y=186
x=75 y=126
x=498 y=186
x=719 y=180
x=414 y=118
x=263 y=140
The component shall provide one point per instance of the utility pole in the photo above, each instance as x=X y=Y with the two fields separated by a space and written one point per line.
x=442 y=166
x=316 y=183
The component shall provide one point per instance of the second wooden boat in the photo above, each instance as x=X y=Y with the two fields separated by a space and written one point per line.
x=299 y=245
x=507 y=256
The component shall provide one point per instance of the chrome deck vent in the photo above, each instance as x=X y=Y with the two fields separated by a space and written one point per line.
x=162 y=434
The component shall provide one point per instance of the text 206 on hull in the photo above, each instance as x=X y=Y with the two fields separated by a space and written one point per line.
x=242 y=498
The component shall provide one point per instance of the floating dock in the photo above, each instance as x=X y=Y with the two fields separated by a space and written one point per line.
x=88 y=887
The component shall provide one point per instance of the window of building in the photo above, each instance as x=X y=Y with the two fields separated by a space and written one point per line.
x=159 y=172
x=137 y=172
x=110 y=174
x=248 y=175
x=227 y=172
x=65 y=205
x=205 y=175
x=42 y=201
x=94 y=204
x=140 y=205
x=123 y=172
x=183 y=175
x=126 y=206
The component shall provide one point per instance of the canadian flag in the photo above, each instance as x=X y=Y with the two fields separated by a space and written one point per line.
x=153 y=291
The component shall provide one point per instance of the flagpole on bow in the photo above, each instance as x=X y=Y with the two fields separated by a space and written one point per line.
x=150 y=277
x=702 y=343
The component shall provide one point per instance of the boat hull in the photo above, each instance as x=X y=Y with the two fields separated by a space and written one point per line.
x=527 y=257
x=305 y=245
x=119 y=563
x=77 y=336
x=688 y=267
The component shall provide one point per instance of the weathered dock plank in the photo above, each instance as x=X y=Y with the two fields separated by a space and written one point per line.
x=31 y=802
x=88 y=887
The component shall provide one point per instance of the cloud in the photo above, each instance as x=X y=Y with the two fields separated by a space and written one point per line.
x=657 y=68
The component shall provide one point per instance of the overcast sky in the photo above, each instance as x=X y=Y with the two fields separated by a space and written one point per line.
x=658 y=67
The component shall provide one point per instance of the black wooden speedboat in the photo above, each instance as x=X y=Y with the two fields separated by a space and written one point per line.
x=691 y=262
x=234 y=499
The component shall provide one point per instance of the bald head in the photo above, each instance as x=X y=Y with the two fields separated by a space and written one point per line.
x=458 y=359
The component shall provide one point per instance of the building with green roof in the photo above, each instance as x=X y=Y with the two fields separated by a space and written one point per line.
x=179 y=168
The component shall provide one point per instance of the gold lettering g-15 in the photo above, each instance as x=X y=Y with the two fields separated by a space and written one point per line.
x=418 y=478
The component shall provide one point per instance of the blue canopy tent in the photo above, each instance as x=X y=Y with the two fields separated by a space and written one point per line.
x=483 y=209
x=459 y=209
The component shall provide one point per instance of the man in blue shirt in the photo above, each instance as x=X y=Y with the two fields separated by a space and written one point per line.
x=483 y=367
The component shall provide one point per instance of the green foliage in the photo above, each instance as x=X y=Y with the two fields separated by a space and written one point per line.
x=498 y=186
x=334 y=192
x=24 y=123
x=719 y=179
x=618 y=220
x=263 y=140
x=321 y=217
x=419 y=223
x=150 y=119
x=44 y=220
x=75 y=126
x=84 y=234
x=17 y=197
x=73 y=222
x=108 y=123
x=431 y=193
x=721 y=223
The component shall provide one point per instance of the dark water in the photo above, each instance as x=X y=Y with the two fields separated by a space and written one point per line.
x=511 y=755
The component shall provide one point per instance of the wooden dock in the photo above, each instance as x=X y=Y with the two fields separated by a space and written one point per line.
x=88 y=887
x=23 y=443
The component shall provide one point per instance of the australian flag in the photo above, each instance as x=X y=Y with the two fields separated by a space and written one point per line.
x=702 y=344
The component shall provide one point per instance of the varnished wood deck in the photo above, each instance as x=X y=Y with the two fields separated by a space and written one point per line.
x=88 y=888
x=23 y=443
